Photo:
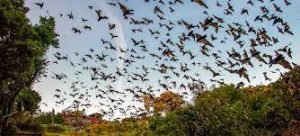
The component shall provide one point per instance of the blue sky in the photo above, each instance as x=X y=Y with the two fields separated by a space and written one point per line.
x=190 y=12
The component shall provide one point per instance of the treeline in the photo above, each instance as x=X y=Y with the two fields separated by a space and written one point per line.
x=272 y=109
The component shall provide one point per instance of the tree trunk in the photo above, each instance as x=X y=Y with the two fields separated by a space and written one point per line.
x=7 y=112
x=5 y=120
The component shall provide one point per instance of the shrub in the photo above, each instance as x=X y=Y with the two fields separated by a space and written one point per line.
x=55 y=128
x=226 y=110
x=26 y=122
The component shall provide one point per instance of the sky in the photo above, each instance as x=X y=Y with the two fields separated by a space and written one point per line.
x=190 y=12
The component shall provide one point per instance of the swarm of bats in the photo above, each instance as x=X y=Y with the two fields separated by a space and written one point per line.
x=209 y=36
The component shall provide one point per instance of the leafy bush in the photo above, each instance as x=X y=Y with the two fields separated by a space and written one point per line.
x=181 y=122
x=29 y=99
x=227 y=110
x=127 y=127
x=46 y=118
x=55 y=128
x=26 y=122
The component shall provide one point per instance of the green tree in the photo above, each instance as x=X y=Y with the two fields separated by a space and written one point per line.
x=226 y=110
x=28 y=99
x=292 y=80
x=46 y=118
x=22 y=48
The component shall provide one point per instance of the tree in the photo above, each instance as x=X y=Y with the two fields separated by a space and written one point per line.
x=196 y=89
x=148 y=102
x=292 y=80
x=46 y=118
x=22 y=50
x=29 y=100
x=167 y=101
x=228 y=110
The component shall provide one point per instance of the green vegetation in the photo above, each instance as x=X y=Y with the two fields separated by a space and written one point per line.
x=227 y=110
x=25 y=122
x=55 y=128
x=46 y=118
x=28 y=99
x=22 y=49
x=272 y=109
x=127 y=127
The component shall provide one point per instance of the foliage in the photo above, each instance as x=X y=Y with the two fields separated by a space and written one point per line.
x=22 y=49
x=227 y=110
x=46 y=118
x=56 y=128
x=292 y=80
x=126 y=127
x=180 y=122
x=58 y=118
x=167 y=101
x=26 y=122
x=75 y=119
x=29 y=99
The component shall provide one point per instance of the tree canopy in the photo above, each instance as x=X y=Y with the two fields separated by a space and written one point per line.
x=167 y=101
x=29 y=100
x=227 y=110
x=22 y=48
